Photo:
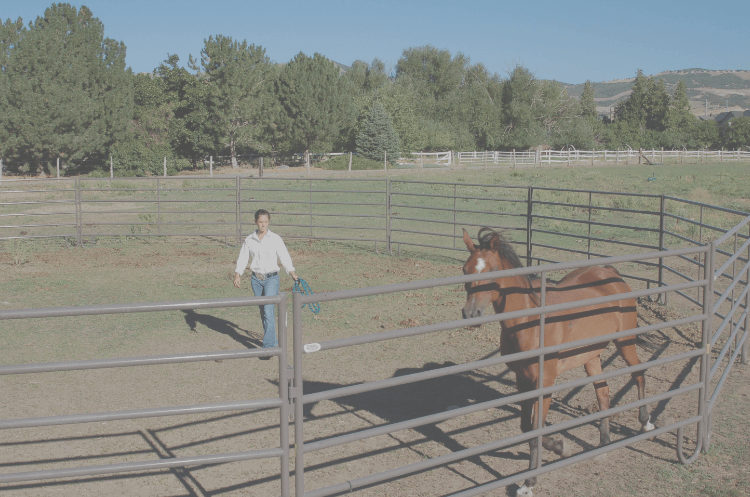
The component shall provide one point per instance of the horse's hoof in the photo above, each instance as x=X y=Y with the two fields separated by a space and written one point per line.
x=524 y=491
x=648 y=426
x=567 y=450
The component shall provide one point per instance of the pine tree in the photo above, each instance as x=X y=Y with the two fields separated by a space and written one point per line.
x=588 y=105
x=67 y=91
x=680 y=118
x=657 y=105
x=316 y=103
x=377 y=136
x=633 y=110
x=240 y=82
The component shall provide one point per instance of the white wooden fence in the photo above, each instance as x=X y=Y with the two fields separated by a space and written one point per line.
x=626 y=156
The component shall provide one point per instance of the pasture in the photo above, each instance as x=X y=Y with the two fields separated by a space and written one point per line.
x=125 y=269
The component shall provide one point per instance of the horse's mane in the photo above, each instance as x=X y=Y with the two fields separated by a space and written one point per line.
x=506 y=251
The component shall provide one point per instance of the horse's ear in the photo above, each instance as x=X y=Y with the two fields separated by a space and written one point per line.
x=467 y=240
x=495 y=242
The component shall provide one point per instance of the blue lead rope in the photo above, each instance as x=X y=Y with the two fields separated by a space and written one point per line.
x=301 y=286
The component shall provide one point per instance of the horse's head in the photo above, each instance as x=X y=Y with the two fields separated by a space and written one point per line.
x=483 y=258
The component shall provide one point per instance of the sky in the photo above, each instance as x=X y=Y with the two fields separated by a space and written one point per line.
x=566 y=41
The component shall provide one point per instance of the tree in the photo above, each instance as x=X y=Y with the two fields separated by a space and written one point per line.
x=737 y=134
x=240 y=97
x=434 y=71
x=377 y=136
x=588 y=105
x=633 y=109
x=522 y=130
x=316 y=104
x=680 y=118
x=67 y=91
x=657 y=105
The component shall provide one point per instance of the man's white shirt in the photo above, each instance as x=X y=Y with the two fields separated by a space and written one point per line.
x=263 y=255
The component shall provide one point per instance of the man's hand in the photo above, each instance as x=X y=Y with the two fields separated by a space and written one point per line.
x=236 y=280
x=293 y=274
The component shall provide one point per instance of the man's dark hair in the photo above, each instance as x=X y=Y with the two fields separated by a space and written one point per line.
x=262 y=212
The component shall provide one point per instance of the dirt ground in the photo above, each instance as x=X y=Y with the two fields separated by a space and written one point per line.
x=135 y=271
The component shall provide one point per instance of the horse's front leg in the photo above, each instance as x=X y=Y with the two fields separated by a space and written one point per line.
x=529 y=422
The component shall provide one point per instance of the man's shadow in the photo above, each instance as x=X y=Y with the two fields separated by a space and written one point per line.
x=246 y=338
x=413 y=400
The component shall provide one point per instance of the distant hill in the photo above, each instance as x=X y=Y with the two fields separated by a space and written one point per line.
x=722 y=88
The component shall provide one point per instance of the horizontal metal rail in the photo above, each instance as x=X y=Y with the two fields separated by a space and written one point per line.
x=584 y=252
x=729 y=289
x=734 y=257
x=460 y=197
x=128 y=467
x=399 y=218
x=737 y=305
x=317 y=214
x=595 y=239
x=717 y=390
x=240 y=405
x=596 y=208
x=553 y=466
x=730 y=340
x=465 y=211
x=417 y=285
x=597 y=192
x=287 y=190
x=95 y=310
x=514 y=399
x=37 y=225
x=709 y=206
x=137 y=361
x=483 y=185
x=596 y=223
x=461 y=368
x=38 y=202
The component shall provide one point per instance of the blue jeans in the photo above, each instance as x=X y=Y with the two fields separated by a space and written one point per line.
x=267 y=288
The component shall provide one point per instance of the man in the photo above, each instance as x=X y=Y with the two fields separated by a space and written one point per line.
x=263 y=248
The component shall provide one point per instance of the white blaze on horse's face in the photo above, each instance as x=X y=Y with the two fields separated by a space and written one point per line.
x=480 y=265
x=476 y=297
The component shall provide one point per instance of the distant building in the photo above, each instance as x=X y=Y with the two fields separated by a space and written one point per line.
x=725 y=118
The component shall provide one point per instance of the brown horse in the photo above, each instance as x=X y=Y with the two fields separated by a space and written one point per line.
x=507 y=294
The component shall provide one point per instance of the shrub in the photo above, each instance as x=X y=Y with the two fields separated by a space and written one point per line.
x=136 y=159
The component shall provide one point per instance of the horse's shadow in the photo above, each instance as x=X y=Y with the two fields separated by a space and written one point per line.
x=414 y=400
x=244 y=337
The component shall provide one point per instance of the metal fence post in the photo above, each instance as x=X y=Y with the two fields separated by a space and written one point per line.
x=529 y=212
x=747 y=310
x=707 y=328
x=540 y=383
x=299 y=458
x=588 y=250
x=284 y=396
x=700 y=242
x=662 y=219
x=237 y=208
x=388 y=216
x=455 y=186
x=79 y=214
x=158 y=206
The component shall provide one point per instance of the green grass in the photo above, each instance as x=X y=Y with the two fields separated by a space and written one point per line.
x=341 y=163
